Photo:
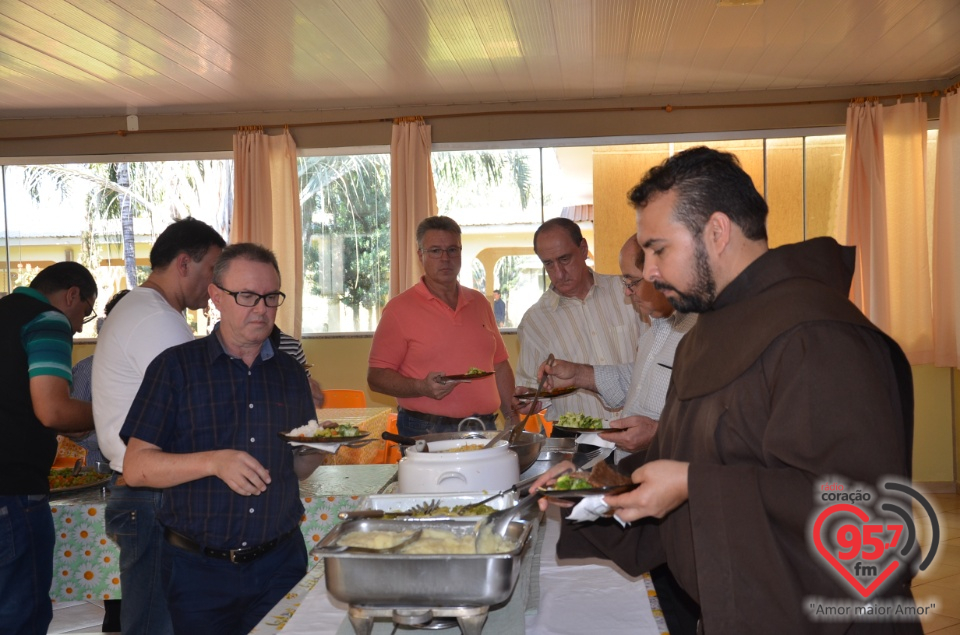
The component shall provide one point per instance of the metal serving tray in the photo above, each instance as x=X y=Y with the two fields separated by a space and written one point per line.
x=415 y=580
x=402 y=502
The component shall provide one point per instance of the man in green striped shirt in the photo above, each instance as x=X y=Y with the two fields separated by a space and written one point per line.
x=36 y=336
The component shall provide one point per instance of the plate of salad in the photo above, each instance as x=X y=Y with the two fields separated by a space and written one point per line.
x=602 y=480
x=577 y=422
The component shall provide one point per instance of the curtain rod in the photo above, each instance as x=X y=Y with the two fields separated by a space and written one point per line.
x=554 y=111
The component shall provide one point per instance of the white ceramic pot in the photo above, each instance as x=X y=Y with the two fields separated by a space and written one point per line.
x=436 y=472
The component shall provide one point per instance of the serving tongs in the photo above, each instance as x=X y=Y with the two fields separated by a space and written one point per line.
x=516 y=487
x=515 y=432
x=496 y=524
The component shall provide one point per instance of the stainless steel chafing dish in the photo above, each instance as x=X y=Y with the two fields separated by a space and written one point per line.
x=396 y=579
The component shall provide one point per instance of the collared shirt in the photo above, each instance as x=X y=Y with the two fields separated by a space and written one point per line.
x=419 y=333
x=641 y=388
x=196 y=398
x=83 y=390
x=48 y=341
x=603 y=328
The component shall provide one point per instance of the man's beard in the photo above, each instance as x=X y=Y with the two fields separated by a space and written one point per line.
x=704 y=290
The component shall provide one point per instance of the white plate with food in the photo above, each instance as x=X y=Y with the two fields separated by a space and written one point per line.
x=324 y=435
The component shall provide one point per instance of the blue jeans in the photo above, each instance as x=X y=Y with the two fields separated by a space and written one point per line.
x=217 y=597
x=131 y=521
x=26 y=564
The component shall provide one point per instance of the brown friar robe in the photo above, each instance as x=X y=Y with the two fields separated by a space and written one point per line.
x=782 y=385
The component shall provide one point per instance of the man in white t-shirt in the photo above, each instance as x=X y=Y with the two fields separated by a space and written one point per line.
x=148 y=321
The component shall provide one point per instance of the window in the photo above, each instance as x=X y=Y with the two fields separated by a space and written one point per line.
x=77 y=211
x=106 y=216
x=345 y=201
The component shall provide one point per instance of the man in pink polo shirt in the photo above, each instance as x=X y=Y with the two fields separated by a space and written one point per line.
x=435 y=329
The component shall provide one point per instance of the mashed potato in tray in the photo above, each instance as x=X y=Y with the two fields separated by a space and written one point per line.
x=439 y=541
x=430 y=542
x=374 y=539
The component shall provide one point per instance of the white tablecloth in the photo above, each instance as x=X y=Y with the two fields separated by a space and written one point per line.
x=576 y=597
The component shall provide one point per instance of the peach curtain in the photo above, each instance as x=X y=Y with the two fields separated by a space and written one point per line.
x=885 y=213
x=266 y=210
x=946 y=235
x=412 y=198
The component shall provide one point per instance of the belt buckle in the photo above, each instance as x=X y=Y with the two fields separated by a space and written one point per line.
x=241 y=556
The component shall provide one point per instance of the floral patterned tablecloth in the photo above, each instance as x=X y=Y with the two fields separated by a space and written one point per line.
x=86 y=563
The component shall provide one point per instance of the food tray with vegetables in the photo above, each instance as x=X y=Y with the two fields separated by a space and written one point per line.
x=447 y=505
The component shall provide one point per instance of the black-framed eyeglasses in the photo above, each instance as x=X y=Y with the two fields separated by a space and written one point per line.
x=249 y=298
x=90 y=317
x=630 y=283
x=437 y=252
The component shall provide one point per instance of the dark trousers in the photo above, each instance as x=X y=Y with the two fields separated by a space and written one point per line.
x=216 y=597
x=26 y=564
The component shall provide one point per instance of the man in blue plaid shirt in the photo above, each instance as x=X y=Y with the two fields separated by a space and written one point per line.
x=204 y=428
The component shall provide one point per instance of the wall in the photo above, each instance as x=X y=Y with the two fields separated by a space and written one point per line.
x=651 y=116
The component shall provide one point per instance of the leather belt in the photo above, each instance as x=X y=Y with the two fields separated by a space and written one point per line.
x=447 y=421
x=236 y=556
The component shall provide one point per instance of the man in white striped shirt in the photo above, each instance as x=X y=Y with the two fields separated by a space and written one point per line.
x=640 y=387
x=583 y=317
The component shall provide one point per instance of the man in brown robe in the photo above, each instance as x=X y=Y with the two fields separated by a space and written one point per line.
x=781 y=384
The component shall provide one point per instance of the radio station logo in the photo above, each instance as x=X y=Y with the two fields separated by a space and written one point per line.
x=868 y=542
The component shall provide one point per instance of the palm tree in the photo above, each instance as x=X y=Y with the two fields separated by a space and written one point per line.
x=346 y=218
x=124 y=191
x=346 y=231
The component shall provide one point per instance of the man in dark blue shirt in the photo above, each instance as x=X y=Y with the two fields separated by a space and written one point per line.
x=204 y=428
x=499 y=309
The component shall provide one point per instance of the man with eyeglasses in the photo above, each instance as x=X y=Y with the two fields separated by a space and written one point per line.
x=640 y=387
x=436 y=329
x=37 y=324
x=582 y=317
x=148 y=321
x=204 y=428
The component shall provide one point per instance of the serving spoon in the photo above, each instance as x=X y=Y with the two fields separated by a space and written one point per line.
x=393 y=549
x=518 y=429
x=515 y=431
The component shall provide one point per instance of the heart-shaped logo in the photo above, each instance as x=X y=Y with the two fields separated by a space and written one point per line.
x=865 y=591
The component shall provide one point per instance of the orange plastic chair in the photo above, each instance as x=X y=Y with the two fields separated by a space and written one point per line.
x=536 y=421
x=391 y=451
x=344 y=398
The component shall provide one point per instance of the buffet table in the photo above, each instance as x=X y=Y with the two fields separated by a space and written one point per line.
x=573 y=596
x=86 y=564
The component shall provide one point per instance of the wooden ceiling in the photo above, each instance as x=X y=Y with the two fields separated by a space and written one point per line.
x=102 y=57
